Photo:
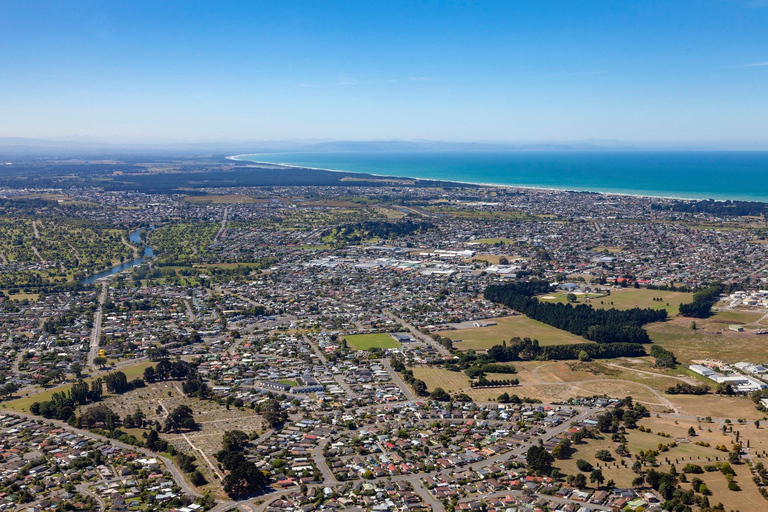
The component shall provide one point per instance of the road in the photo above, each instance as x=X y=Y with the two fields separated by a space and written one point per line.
x=190 y=314
x=397 y=380
x=554 y=499
x=96 y=330
x=223 y=224
x=418 y=334
x=321 y=463
x=169 y=464
x=37 y=253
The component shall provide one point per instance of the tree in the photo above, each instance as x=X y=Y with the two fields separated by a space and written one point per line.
x=243 y=480
x=420 y=387
x=273 y=413
x=691 y=432
x=583 y=465
x=440 y=395
x=584 y=356
x=10 y=388
x=234 y=440
x=562 y=450
x=580 y=480
x=154 y=443
x=149 y=374
x=597 y=477
x=77 y=369
x=100 y=361
x=539 y=459
x=180 y=417
x=603 y=455
x=734 y=456
x=571 y=297
x=197 y=478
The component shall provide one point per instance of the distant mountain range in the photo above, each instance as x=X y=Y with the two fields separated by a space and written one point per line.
x=85 y=147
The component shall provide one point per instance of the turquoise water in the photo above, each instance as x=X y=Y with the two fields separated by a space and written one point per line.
x=717 y=175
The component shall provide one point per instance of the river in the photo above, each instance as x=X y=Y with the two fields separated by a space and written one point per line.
x=134 y=237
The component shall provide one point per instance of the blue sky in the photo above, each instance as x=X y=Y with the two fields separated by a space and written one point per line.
x=676 y=71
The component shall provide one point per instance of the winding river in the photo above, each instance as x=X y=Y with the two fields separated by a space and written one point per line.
x=134 y=237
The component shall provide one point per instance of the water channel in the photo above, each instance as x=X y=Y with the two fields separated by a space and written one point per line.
x=135 y=238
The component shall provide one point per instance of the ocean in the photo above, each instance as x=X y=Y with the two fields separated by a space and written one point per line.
x=741 y=175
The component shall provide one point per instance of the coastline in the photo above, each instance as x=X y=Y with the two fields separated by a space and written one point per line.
x=236 y=158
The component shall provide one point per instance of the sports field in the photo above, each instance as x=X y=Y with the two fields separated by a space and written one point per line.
x=506 y=328
x=369 y=341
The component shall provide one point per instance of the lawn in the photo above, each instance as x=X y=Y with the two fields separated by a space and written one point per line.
x=627 y=298
x=710 y=340
x=369 y=341
x=492 y=241
x=220 y=199
x=506 y=328
x=452 y=382
x=289 y=382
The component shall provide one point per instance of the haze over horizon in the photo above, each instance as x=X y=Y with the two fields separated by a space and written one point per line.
x=656 y=73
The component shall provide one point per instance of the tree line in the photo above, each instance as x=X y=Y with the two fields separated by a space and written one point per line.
x=721 y=208
x=599 y=325
x=703 y=300
x=527 y=349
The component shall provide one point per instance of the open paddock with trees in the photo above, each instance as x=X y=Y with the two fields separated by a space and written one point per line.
x=506 y=328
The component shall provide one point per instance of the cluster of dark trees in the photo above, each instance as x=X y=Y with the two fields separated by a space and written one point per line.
x=703 y=300
x=627 y=414
x=62 y=404
x=244 y=478
x=482 y=382
x=196 y=387
x=117 y=382
x=538 y=459
x=479 y=369
x=664 y=358
x=506 y=398
x=419 y=386
x=600 y=325
x=527 y=350
x=180 y=418
x=683 y=388
x=273 y=414
x=722 y=208
x=379 y=229
x=169 y=370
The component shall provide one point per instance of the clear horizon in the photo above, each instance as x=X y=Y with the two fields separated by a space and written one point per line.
x=669 y=73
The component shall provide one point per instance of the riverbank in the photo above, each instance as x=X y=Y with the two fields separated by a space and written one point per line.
x=135 y=238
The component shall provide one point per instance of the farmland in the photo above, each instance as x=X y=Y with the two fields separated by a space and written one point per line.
x=506 y=328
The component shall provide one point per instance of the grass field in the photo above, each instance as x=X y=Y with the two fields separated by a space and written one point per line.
x=506 y=328
x=369 y=341
x=289 y=382
x=603 y=248
x=627 y=298
x=492 y=241
x=710 y=340
x=22 y=404
x=737 y=317
x=220 y=199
